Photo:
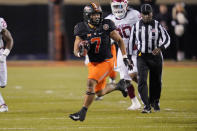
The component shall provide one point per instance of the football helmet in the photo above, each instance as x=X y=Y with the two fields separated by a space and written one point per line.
x=92 y=9
x=119 y=8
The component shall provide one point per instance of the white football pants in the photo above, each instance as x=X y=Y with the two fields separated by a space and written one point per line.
x=122 y=69
x=3 y=72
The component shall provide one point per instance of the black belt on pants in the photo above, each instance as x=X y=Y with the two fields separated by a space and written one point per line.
x=146 y=54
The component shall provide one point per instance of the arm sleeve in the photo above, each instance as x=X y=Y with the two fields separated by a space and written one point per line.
x=165 y=38
x=76 y=30
x=111 y=25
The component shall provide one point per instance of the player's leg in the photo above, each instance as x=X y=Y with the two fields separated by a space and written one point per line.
x=113 y=74
x=3 y=83
x=89 y=97
x=124 y=75
x=155 y=84
x=142 y=83
x=131 y=90
x=96 y=73
x=134 y=100
x=112 y=77
x=105 y=88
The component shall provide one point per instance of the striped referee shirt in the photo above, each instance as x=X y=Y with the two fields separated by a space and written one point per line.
x=147 y=37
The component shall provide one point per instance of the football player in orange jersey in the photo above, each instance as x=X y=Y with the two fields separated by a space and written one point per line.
x=98 y=32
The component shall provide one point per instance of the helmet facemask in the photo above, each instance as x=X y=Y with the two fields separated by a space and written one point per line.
x=97 y=20
x=119 y=9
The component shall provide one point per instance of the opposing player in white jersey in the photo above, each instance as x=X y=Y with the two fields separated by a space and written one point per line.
x=124 y=17
x=4 y=52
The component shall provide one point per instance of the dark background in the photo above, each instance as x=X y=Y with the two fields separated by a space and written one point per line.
x=29 y=27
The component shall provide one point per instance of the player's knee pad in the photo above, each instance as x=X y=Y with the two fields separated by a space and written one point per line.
x=90 y=91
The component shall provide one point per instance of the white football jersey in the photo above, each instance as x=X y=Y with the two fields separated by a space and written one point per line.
x=124 y=25
x=3 y=25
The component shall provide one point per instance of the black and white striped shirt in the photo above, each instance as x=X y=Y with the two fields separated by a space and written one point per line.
x=147 y=37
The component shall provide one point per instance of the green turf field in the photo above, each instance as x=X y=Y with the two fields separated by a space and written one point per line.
x=41 y=98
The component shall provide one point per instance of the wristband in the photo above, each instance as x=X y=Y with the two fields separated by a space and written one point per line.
x=6 y=52
x=124 y=56
x=78 y=54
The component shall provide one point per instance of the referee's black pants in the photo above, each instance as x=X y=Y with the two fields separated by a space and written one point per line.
x=153 y=64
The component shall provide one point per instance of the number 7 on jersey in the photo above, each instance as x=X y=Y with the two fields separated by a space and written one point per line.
x=98 y=42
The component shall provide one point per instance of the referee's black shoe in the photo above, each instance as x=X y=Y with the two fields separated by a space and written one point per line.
x=146 y=109
x=155 y=106
x=122 y=86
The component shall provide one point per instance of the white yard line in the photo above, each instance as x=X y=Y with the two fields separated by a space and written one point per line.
x=104 y=127
x=17 y=128
x=176 y=117
x=100 y=118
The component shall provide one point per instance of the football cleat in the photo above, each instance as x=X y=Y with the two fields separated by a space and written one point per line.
x=122 y=86
x=135 y=106
x=79 y=115
x=4 y=108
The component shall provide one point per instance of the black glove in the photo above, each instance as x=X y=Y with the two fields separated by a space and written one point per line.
x=128 y=63
x=84 y=47
x=87 y=45
x=81 y=50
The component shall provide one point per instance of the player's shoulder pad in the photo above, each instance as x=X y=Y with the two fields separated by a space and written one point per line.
x=109 y=16
x=78 y=29
x=132 y=11
x=3 y=24
x=108 y=24
x=107 y=21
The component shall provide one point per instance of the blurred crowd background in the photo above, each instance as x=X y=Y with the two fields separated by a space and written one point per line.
x=43 y=29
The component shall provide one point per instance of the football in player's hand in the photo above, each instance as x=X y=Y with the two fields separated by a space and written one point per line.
x=84 y=47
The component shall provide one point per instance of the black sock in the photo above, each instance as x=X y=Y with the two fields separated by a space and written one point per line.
x=84 y=108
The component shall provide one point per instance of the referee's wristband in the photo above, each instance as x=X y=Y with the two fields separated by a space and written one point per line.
x=6 y=52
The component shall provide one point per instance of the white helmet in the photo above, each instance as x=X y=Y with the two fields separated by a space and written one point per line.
x=119 y=8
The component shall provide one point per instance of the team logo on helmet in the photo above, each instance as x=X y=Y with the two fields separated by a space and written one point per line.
x=105 y=26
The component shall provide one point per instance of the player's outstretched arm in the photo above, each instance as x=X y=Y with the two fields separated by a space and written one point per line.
x=116 y=37
x=7 y=37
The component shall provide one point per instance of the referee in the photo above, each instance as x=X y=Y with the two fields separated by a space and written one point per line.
x=151 y=40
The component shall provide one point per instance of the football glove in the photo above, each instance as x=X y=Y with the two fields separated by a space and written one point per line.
x=84 y=47
x=128 y=63
x=81 y=50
